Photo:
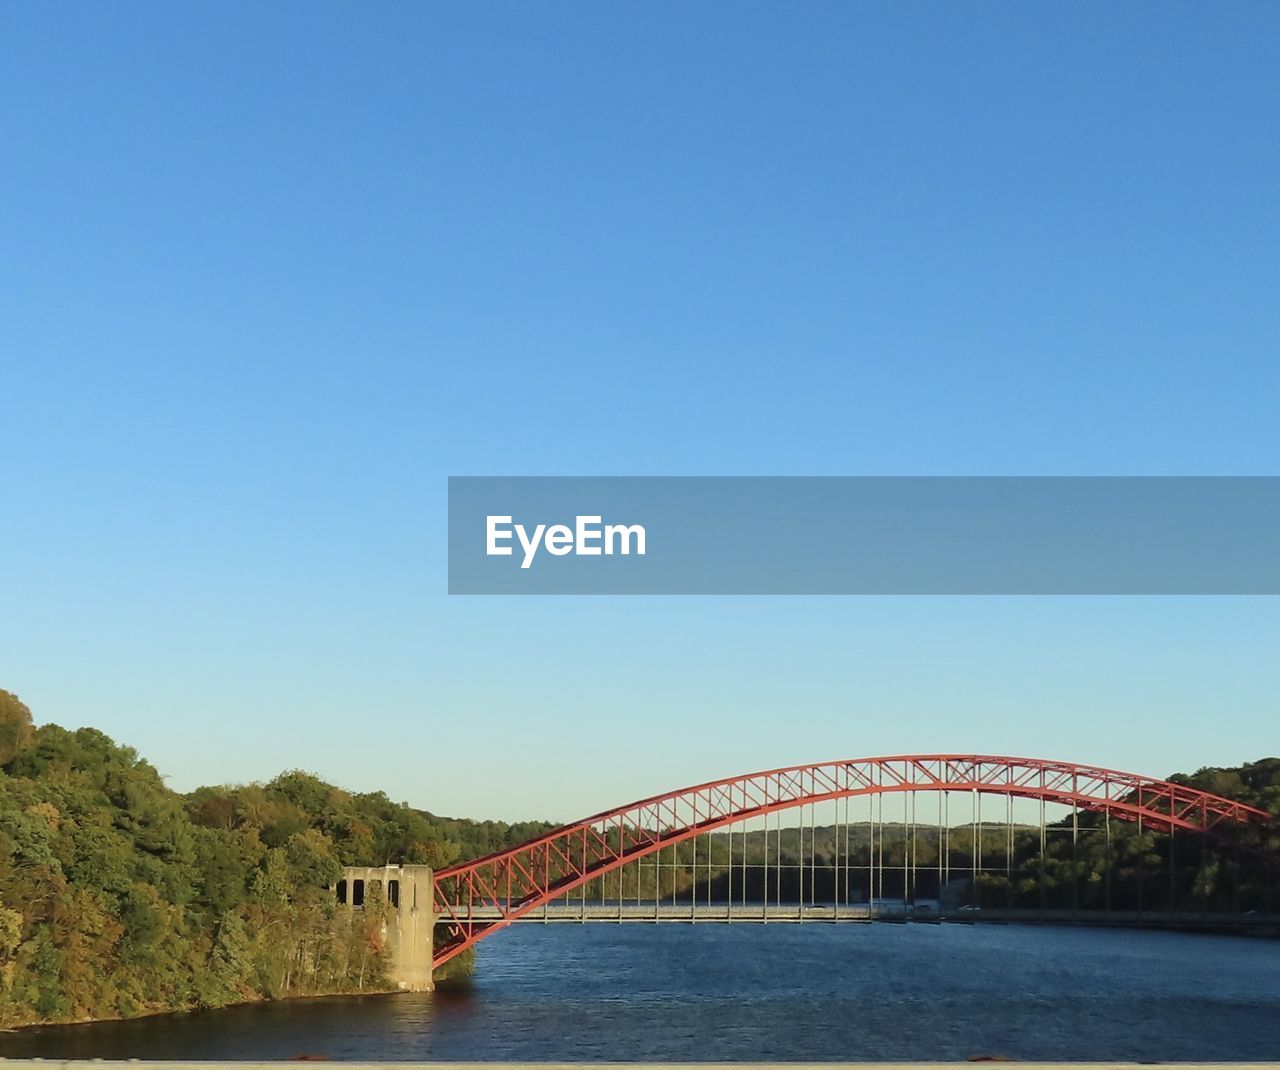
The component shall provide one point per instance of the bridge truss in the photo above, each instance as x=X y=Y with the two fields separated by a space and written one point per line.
x=475 y=899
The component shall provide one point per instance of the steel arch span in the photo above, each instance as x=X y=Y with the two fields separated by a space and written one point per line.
x=505 y=885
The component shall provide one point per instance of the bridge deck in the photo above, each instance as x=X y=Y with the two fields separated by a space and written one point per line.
x=578 y=913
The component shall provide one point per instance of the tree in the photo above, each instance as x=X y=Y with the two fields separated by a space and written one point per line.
x=10 y=932
x=312 y=861
x=16 y=728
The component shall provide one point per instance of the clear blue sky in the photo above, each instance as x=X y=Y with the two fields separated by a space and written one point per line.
x=269 y=274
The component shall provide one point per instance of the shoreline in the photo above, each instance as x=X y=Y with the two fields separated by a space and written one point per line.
x=63 y=1023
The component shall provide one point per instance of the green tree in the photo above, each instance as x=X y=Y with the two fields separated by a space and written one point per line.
x=16 y=731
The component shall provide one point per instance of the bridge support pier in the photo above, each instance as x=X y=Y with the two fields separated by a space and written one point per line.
x=405 y=893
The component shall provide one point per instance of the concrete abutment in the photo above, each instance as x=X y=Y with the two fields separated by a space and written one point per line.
x=409 y=922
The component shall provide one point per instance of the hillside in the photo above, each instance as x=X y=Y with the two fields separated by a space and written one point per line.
x=120 y=897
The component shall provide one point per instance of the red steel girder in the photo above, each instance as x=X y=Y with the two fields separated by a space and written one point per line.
x=549 y=865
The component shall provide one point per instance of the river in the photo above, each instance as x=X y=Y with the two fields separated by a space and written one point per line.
x=780 y=992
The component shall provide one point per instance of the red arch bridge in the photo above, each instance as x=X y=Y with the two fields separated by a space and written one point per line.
x=531 y=881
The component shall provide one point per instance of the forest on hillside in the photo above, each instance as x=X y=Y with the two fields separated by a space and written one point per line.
x=121 y=897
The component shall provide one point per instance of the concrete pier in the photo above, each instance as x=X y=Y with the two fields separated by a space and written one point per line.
x=409 y=919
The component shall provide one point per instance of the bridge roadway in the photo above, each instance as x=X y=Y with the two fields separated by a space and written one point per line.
x=792 y=913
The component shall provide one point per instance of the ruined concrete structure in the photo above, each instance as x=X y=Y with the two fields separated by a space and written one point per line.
x=409 y=921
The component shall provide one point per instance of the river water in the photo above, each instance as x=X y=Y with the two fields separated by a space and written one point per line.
x=780 y=992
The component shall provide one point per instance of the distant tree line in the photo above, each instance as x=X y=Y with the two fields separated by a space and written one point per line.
x=121 y=897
